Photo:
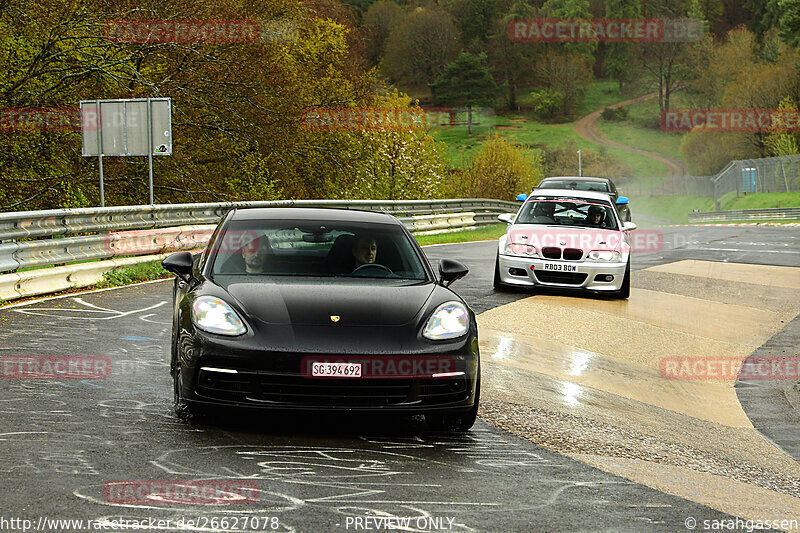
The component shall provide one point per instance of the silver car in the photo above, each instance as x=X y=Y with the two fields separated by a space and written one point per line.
x=567 y=239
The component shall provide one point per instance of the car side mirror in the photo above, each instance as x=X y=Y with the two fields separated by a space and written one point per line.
x=622 y=200
x=180 y=264
x=629 y=226
x=508 y=218
x=522 y=197
x=451 y=270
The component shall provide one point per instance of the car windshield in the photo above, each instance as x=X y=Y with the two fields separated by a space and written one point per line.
x=576 y=185
x=315 y=248
x=567 y=212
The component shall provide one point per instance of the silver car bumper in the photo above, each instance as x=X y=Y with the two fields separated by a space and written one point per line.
x=529 y=272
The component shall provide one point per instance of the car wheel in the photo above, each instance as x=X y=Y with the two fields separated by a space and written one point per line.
x=183 y=409
x=498 y=285
x=461 y=421
x=625 y=291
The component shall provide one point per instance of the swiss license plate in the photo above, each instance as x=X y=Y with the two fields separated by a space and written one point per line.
x=336 y=370
x=560 y=267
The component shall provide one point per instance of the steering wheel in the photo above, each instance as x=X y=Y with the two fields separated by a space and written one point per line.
x=367 y=266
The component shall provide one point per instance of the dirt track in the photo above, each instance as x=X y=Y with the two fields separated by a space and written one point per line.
x=586 y=128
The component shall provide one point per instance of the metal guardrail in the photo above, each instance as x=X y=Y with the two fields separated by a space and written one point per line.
x=27 y=224
x=778 y=213
x=145 y=230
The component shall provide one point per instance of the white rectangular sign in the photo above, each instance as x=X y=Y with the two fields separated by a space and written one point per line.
x=121 y=127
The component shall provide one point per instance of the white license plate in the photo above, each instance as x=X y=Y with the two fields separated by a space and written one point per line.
x=560 y=267
x=336 y=370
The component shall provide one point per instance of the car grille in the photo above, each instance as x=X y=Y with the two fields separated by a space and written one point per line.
x=565 y=278
x=573 y=254
x=298 y=390
x=354 y=392
x=551 y=252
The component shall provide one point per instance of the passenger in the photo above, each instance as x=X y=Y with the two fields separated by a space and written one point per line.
x=255 y=255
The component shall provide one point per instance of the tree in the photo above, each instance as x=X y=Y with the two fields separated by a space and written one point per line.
x=572 y=10
x=421 y=45
x=475 y=19
x=465 y=82
x=396 y=164
x=502 y=169
x=512 y=64
x=618 y=63
x=565 y=73
x=789 y=21
x=381 y=18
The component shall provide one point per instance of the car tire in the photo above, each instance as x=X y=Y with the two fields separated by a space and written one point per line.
x=498 y=285
x=625 y=291
x=459 y=422
x=183 y=409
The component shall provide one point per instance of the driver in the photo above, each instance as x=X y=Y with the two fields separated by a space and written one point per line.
x=595 y=216
x=365 y=250
x=544 y=210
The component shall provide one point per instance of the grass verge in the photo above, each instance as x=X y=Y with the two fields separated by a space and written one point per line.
x=483 y=233
x=132 y=274
x=676 y=209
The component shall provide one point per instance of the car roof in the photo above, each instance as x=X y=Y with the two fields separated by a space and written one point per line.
x=570 y=193
x=312 y=213
x=577 y=178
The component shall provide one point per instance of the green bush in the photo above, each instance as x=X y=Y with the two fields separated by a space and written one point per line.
x=614 y=113
x=547 y=102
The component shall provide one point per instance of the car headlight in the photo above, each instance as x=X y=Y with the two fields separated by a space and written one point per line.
x=520 y=250
x=450 y=320
x=603 y=255
x=215 y=316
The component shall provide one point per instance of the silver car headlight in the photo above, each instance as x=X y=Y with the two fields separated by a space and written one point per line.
x=604 y=255
x=215 y=316
x=520 y=250
x=450 y=320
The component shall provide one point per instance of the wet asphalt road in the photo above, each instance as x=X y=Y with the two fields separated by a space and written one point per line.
x=63 y=441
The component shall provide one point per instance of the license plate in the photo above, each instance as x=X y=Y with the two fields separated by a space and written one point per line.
x=336 y=370
x=560 y=267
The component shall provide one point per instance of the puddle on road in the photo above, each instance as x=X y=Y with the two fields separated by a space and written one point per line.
x=589 y=370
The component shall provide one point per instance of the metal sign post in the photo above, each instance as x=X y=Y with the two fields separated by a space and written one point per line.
x=131 y=127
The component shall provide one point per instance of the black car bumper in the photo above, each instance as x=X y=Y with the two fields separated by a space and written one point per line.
x=212 y=372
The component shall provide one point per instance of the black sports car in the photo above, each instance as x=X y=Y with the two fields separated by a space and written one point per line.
x=317 y=309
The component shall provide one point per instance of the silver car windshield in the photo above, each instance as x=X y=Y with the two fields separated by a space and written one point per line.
x=567 y=212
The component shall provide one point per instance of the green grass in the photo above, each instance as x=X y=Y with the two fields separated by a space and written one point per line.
x=761 y=200
x=603 y=93
x=670 y=209
x=534 y=134
x=525 y=129
x=676 y=209
x=133 y=274
x=641 y=130
x=483 y=233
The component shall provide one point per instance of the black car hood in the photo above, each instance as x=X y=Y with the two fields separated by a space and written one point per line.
x=355 y=303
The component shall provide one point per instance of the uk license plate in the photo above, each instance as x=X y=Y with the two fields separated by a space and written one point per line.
x=336 y=370
x=560 y=267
